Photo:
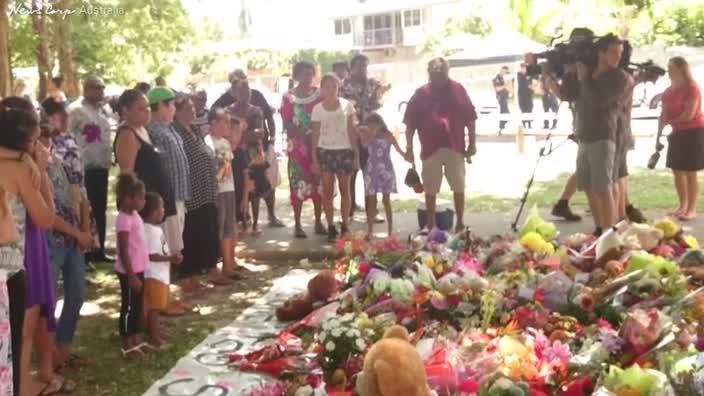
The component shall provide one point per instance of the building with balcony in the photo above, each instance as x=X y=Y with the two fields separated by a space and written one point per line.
x=390 y=32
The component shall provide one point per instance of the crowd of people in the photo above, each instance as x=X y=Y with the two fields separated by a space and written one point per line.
x=191 y=181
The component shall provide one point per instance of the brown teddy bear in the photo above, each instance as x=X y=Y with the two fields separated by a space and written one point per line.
x=320 y=289
x=392 y=367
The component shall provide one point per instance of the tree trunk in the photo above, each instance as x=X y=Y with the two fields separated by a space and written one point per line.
x=42 y=52
x=5 y=69
x=67 y=65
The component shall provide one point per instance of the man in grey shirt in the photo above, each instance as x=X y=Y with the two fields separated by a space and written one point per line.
x=599 y=95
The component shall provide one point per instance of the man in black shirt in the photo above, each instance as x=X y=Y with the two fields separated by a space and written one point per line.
x=257 y=99
x=525 y=96
x=503 y=91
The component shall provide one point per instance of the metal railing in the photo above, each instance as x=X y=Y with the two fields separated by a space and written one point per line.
x=386 y=37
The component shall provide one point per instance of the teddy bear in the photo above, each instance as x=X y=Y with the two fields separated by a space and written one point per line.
x=641 y=236
x=393 y=367
x=320 y=289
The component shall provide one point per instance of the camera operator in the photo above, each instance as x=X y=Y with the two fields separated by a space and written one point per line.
x=598 y=93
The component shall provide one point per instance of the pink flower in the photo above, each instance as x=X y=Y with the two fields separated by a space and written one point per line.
x=469 y=264
x=557 y=353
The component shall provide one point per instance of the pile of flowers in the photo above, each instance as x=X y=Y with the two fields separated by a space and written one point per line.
x=527 y=315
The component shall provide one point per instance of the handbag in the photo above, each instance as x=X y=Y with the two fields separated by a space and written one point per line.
x=413 y=181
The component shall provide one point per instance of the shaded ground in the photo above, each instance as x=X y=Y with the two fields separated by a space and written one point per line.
x=98 y=340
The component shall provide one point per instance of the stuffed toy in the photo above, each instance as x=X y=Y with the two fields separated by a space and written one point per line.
x=321 y=288
x=668 y=227
x=641 y=236
x=393 y=367
x=609 y=247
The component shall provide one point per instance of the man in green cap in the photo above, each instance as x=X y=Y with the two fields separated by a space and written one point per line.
x=168 y=141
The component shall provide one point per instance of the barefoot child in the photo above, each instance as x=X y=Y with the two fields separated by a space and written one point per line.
x=158 y=272
x=379 y=175
x=220 y=132
x=132 y=260
x=240 y=170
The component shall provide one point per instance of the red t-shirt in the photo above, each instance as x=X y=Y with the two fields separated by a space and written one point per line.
x=673 y=102
x=440 y=116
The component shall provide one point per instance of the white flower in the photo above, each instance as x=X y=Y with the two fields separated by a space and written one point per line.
x=326 y=326
x=323 y=336
x=336 y=332
x=333 y=324
x=350 y=333
x=347 y=317
x=330 y=346
x=304 y=391
x=360 y=344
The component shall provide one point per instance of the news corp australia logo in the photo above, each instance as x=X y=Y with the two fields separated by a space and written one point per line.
x=46 y=8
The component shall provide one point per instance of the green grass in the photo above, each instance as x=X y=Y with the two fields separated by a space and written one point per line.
x=649 y=190
x=97 y=338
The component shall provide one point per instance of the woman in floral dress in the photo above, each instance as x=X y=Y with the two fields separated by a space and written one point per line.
x=296 y=108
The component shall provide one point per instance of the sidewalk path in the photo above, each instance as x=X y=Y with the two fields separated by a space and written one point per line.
x=279 y=244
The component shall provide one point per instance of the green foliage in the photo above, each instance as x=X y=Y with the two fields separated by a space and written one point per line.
x=200 y=63
x=458 y=24
x=679 y=24
x=23 y=43
x=112 y=45
x=471 y=24
x=324 y=59
x=536 y=19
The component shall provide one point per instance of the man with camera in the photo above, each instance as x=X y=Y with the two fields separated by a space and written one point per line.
x=599 y=93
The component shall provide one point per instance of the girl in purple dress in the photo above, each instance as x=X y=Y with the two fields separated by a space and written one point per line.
x=379 y=174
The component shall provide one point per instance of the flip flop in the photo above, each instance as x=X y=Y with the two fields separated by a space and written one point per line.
x=58 y=384
x=138 y=349
x=220 y=282
x=234 y=276
x=155 y=348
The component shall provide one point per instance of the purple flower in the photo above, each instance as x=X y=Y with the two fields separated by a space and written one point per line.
x=437 y=236
x=699 y=344
x=611 y=341
x=91 y=133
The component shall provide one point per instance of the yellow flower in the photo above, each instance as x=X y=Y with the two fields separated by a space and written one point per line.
x=691 y=242
x=429 y=261
x=668 y=227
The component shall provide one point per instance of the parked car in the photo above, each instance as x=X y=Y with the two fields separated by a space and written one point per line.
x=649 y=95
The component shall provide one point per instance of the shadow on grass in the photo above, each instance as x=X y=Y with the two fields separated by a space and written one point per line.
x=98 y=340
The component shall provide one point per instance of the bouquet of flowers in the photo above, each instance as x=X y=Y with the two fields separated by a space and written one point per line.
x=343 y=343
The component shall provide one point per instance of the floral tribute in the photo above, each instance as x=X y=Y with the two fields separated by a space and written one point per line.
x=527 y=315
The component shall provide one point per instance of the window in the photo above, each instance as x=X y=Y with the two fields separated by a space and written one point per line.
x=343 y=26
x=412 y=18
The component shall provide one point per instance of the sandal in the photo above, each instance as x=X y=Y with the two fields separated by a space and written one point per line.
x=135 y=353
x=220 y=281
x=155 y=348
x=59 y=384
x=233 y=275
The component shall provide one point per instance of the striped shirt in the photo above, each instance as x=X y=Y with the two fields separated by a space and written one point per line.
x=201 y=162
x=171 y=145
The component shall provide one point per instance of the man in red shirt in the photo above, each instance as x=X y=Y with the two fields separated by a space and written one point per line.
x=440 y=111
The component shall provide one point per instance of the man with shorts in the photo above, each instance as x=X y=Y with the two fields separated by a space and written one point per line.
x=440 y=111
x=599 y=94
